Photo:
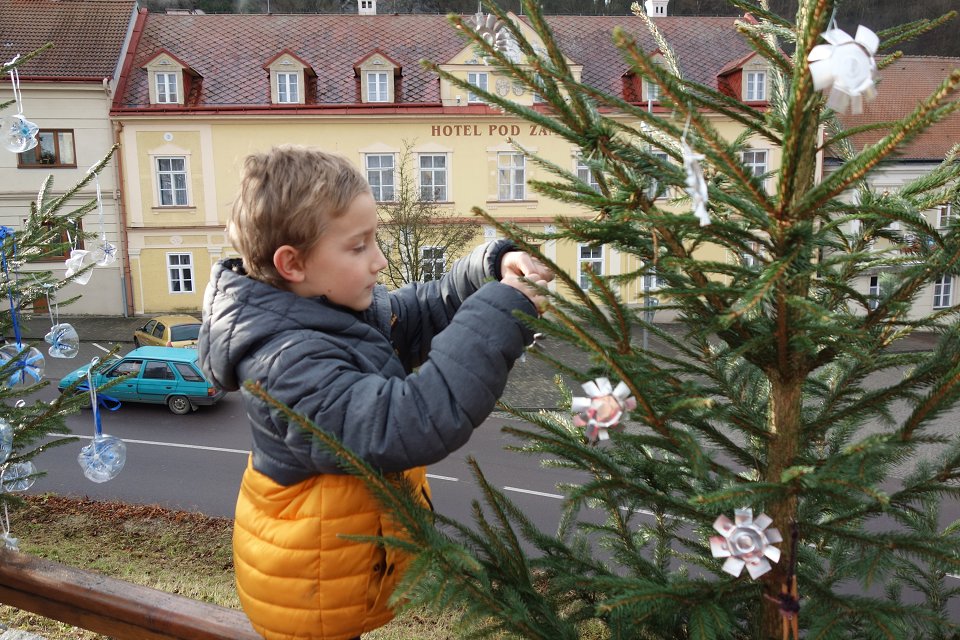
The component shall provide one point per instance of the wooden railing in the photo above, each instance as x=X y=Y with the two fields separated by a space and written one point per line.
x=113 y=607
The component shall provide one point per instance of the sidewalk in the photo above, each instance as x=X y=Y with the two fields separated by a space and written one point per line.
x=531 y=383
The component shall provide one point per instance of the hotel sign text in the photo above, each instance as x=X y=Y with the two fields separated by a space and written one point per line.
x=470 y=130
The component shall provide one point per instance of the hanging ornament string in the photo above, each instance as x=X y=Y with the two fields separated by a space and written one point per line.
x=29 y=364
x=63 y=338
x=106 y=253
x=8 y=540
x=18 y=133
x=104 y=457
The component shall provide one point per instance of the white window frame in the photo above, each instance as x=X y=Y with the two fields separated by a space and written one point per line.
x=754 y=165
x=511 y=176
x=592 y=255
x=654 y=191
x=943 y=292
x=651 y=91
x=945 y=216
x=430 y=261
x=477 y=79
x=166 y=85
x=180 y=274
x=585 y=174
x=378 y=86
x=288 y=87
x=748 y=259
x=180 y=197
x=873 y=292
x=756 y=86
x=383 y=190
x=437 y=177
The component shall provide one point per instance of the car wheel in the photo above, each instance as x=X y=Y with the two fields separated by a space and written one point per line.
x=179 y=405
x=136 y=342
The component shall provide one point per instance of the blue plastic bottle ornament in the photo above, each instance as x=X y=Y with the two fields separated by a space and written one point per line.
x=18 y=476
x=6 y=440
x=64 y=341
x=27 y=364
x=18 y=133
x=104 y=457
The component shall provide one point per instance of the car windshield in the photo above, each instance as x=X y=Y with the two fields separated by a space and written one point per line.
x=184 y=332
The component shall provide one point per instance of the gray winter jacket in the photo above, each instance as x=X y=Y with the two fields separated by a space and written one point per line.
x=353 y=374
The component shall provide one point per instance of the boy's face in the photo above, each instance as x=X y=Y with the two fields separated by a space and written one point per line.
x=344 y=264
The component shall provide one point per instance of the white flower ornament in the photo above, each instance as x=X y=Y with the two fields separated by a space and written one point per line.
x=846 y=66
x=696 y=183
x=603 y=408
x=745 y=543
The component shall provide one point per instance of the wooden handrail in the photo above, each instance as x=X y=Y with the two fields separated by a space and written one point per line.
x=113 y=607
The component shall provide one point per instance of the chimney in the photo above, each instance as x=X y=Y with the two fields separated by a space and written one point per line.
x=655 y=8
x=367 y=7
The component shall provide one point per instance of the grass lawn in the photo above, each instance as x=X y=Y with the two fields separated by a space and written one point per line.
x=183 y=553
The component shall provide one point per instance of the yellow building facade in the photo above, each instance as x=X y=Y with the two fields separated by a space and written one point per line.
x=188 y=115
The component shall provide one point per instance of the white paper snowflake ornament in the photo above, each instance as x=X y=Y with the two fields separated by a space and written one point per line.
x=18 y=134
x=745 y=543
x=696 y=183
x=602 y=410
x=847 y=67
x=80 y=259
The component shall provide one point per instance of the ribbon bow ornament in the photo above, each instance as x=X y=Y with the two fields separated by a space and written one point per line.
x=602 y=410
x=847 y=67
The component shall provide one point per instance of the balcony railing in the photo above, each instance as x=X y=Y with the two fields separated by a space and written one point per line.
x=113 y=607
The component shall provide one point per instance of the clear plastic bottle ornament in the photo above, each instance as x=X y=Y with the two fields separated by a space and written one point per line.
x=80 y=259
x=105 y=254
x=6 y=440
x=103 y=458
x=18 y=476
x=64 y=341
x=28 y=365
x=18 y=133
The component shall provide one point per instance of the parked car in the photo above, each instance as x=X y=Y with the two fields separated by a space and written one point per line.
x=168 y=331
x=157 y=375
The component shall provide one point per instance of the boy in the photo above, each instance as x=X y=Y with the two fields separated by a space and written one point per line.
x=301 y=313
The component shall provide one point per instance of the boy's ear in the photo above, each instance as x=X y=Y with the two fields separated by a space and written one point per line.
x=288 y=263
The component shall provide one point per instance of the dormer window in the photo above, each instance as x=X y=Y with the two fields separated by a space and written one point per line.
x=288 y=88
x=756 y=85
x=170 y=79
x=477 y=79
x=288 y=78
x=651 y=91
x=378 y=78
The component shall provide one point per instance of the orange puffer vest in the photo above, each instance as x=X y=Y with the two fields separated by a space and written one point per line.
x=297 y=577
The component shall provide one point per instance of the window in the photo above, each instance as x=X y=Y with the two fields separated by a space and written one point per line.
x=172 y=182
x=125 y=368
x=158 y=371
x=651 y=90
x=591 y=261
x=380 y=176
x=431 y=263
x=433 y=177
x=943 y=292
x=510 y=178
x=945 y=216
x=478 y=80
x=751 y=257
x=180 y=272
x=166 y=88
x=873 y=293
x=288 y=88
x=755 y=162
x=187 y=372
x=378 y=89
x=586 y=175
x=756 y=85
x=657 y=189
x=54 y=149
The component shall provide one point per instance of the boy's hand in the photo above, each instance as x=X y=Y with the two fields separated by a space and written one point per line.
x=525 y=287
x=522 y=264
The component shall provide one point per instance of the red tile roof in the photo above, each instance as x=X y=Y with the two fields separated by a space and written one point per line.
x=229 y=51
x=87 y=36
x=903 y=85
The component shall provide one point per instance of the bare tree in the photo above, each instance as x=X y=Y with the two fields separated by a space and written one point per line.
x=418 y=234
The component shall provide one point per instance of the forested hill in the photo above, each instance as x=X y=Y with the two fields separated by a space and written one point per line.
x=876 y=14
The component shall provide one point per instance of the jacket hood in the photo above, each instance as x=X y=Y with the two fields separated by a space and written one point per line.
x=240 y=314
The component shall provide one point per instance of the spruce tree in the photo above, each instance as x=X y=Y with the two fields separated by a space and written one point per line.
x=765 y=394
x=35 y=425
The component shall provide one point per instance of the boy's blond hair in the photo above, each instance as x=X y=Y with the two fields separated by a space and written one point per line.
x=287 y=196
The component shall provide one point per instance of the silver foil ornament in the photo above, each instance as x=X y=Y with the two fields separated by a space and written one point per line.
x=745 y=542
x=603 y=409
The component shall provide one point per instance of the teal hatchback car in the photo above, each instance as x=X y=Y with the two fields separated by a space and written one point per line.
x=156 y=375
